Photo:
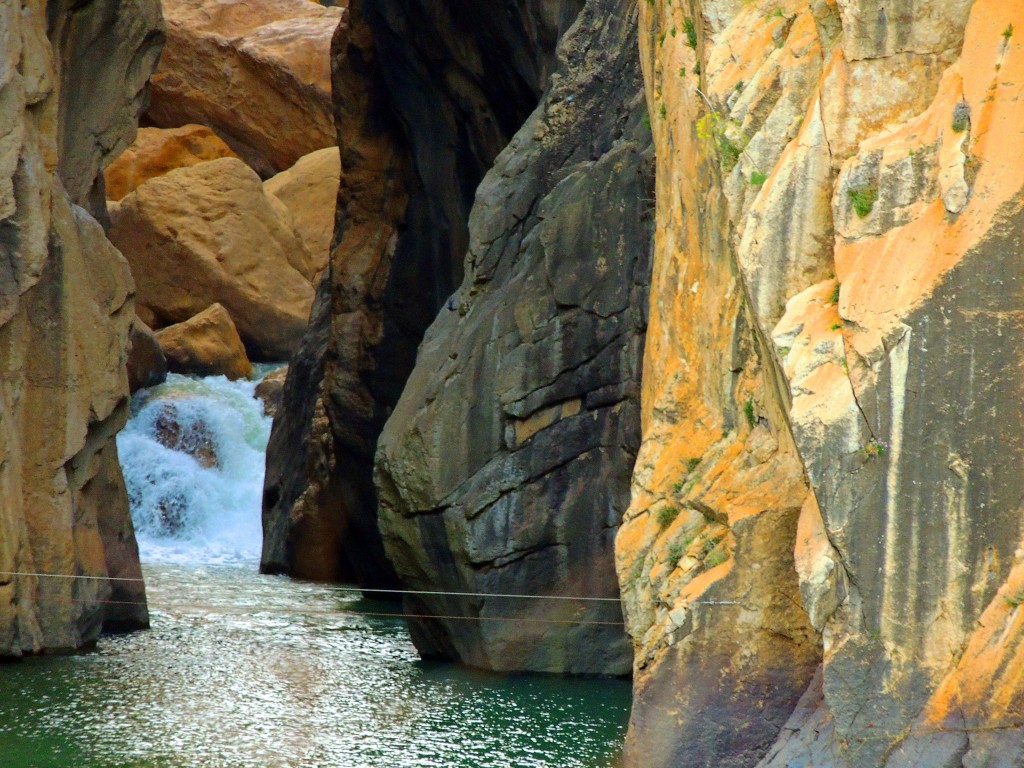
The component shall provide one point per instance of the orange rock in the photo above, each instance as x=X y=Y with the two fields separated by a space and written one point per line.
x=205 y=345
x=257 y=72
x=157 y=151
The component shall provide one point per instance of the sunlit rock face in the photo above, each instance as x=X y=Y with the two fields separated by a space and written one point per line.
x=504 y=468
x=72 y=83
x=837 y=290
x=426 y=96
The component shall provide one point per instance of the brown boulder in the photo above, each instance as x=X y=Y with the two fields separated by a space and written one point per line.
x=147 y=365
x=309 y=190
x=205 y=345
x=157 y=151
x=207 y=234
x=270 y=391
x=257 y=72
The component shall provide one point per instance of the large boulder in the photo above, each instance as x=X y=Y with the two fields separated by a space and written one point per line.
x=258 y=72
x=309 y=190
x=72 y=79
x=205 y=345
x=415 y=142
x=157 y=151
x=209 y=234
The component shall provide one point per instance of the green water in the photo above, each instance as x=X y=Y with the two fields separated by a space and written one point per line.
x=248 y=671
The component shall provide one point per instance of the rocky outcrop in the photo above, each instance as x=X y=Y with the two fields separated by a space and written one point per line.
x=502 y=469
x=256 y=72
x=147 y=365
x=855 y=454
x=209 y=234
x=309 y=190
x=157 y=151
x=68 y=103
x=205 y=345
x=427 y=95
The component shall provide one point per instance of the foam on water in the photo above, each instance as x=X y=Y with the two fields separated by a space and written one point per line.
x=185 y=512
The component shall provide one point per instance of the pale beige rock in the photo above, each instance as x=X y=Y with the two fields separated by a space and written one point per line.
x=157 y=151
x=257 y=72
x=209 y=234
x=205 y=345
x=309 y=190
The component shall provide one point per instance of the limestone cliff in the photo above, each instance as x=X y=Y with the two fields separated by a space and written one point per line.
x=504 y=467
x=426 y=95
x=72 y=82
x=830 y=401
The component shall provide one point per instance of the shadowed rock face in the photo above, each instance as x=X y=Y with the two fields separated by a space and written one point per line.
x=426 y=95
x=504 y=467
x=70 y=102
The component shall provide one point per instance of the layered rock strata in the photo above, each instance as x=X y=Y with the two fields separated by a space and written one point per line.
x=68 y=103
x=504 y=467
x=829 y=412
x=426 y=97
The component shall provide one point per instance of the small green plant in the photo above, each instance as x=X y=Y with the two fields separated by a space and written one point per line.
x=1016 y=599
x=647 y=122
x=677 y=487
x=682 y=71
x=757 y=178
x=661 y=39
x=691 y=33
x=845 y=366
x=961 y=117
x=875 y=448
x=637 y=570
x=748 y=411
x=833 y=298
x=715 y=559
x=676 y=551
x=712 y=127
x=738 y=87
x=863 y=199
x=710 y=544
x=672 y=31
x=693 y=463
x=666 y=515
x=775 y=14
x=1008 y=32
x=663 y=110
x=836 y=326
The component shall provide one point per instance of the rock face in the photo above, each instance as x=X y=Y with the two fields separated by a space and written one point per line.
x=257 y=72
x=68 y=103
x=503 y=469
x=147 y=364
x=157 y=151
x=850 y=249
x=209 y=234
x=309 y=190
x=205 y=345
x=415 y=140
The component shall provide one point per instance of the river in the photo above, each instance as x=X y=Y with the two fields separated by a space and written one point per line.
x=241 y=670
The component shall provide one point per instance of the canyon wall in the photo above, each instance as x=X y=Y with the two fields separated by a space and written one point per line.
x=72 y=83
x=504 y=468
x=831 y=401
x=426 y=95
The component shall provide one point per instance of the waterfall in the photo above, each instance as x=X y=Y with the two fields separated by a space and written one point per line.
x=193 y=457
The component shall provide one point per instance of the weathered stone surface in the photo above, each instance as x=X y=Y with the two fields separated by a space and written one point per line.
x=270 y=390
x=415 y=142
x=65 y=312
x=309 y=190
x=147 y=365
x=257 y=72
x=157 y=151
x=855 y=189
x=209 y=234
x=503 y=467
x=206 y=344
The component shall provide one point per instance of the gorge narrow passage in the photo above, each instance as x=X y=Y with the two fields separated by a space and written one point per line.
x=241 y=670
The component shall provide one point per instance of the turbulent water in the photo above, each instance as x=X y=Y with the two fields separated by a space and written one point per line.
x=249 y=671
